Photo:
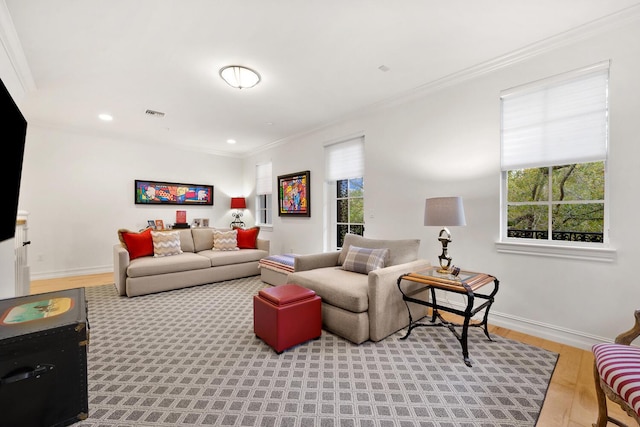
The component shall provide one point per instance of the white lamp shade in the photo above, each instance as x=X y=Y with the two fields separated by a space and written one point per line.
x=444 y=211
x=239 y=77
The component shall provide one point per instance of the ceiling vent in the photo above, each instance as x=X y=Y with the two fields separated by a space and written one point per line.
x=154 y=113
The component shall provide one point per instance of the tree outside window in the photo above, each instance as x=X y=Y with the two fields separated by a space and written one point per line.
x=349 y=208
x=564 y=203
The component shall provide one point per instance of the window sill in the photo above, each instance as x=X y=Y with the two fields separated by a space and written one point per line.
x=555 y=251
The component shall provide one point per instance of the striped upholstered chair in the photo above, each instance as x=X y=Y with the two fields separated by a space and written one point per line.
x=616 y=371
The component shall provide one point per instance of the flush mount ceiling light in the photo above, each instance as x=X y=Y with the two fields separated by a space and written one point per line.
x=105 y=117
x=239 y=77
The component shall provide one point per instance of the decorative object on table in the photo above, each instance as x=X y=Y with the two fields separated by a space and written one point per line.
x=197 y=222
x=443 y=212
x=237 y=203
x=294 y=194
x=159 y=224
x=151 y=223
x=181 y=217
x=239 y=77
x=155 y=192
x=205 y=222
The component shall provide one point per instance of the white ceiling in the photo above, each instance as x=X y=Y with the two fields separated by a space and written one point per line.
x=319 y=59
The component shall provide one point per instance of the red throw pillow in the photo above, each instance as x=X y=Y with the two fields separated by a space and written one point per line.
x=138 y=244
x=247 y=239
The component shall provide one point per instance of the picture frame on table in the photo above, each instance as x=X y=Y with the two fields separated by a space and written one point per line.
x=151 y=224
x=294 y=194
x=159 y=224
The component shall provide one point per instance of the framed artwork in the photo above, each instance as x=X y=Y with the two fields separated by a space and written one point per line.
x=172 y=193
x=294 y=195
x=159 y=224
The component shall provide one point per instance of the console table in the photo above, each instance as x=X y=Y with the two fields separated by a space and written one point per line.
x=465 y=283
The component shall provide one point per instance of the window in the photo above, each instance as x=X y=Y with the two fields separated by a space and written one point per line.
x=554 y=151
x=345 y=187
x=349 y=208
x=263 y=194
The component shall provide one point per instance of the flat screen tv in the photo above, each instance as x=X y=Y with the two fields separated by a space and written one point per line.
x=14 y=132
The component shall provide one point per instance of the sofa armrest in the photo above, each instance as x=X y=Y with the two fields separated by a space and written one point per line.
x=313 y=261
x=120 y=264
x=263 y=245
x=387 y=311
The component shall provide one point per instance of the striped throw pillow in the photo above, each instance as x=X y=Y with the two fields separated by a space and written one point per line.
x=225 y=240
x=166 y=243
x=364 y=260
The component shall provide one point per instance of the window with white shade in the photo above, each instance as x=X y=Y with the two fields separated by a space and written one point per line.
x=554 y=145
x=345 y=188
x=263 y=194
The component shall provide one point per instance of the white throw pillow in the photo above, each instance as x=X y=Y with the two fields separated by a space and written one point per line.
x=225 y=240
x=166 y=243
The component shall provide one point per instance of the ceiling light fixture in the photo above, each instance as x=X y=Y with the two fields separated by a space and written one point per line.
x=231 y=141
x=239 y=77
x=105 y=117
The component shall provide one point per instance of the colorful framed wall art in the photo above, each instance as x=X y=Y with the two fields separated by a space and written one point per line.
x=172 y=193
x=294 y=194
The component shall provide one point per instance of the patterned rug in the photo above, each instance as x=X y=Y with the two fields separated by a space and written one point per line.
x=189 y=357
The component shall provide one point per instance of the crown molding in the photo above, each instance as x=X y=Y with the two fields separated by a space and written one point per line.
x=121 y=137
x=13 y=48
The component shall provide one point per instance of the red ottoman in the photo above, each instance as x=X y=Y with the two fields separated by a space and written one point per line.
x=286 y=315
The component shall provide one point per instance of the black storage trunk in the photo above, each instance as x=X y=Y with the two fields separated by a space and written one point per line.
x=43 y=359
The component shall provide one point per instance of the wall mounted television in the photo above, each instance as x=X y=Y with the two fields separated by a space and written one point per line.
x=14 y=132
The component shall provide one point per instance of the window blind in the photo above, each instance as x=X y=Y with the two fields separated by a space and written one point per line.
x=263 y=179
x=345 y=160
x=557 y=121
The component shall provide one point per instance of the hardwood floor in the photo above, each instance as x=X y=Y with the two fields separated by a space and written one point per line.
x=570 y=401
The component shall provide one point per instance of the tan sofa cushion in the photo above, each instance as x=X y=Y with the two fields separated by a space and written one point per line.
x=340 y=288
x=400 y=251
x=202 y=239
x=217 y=258
x=147 y=266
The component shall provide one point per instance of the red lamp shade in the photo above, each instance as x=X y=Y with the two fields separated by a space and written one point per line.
x=238 y=203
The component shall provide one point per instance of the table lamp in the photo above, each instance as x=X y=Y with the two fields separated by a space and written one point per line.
x=237 y=203
x=443 y=212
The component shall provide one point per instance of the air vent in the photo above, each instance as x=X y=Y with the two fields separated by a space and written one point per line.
x=154 y=113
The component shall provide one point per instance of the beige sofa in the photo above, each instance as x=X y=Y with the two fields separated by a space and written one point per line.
x=358 y=306
x=197 y=265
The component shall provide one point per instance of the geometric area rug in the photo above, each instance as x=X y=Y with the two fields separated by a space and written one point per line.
x=189 y=357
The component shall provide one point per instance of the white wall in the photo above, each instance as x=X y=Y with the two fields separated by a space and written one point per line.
x=79 y=190
x=448 y=143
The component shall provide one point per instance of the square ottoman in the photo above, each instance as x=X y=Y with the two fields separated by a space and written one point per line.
x=287 y=315
x=274 y=269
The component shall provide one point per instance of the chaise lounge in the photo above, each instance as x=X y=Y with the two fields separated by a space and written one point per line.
x=358 y=286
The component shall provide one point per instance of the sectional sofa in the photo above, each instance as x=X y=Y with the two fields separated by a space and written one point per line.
x=187 y=260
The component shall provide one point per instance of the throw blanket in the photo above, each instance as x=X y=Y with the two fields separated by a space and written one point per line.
x=282 y=262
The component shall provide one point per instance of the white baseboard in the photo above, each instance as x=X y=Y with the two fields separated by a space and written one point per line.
x=544 y=330
x=71 y=273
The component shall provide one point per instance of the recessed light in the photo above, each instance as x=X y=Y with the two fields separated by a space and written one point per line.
x=105 y=117
x=231 y=141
